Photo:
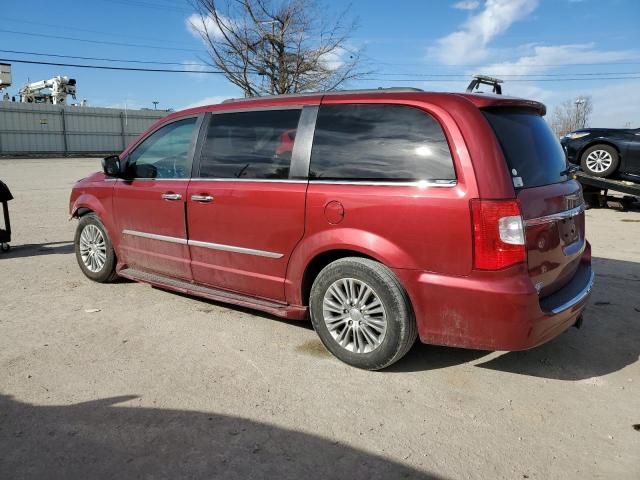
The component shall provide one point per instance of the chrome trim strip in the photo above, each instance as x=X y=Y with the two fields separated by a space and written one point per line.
x=153 y=236
x=577 y=299
x=248 y=180
x=555 y=217
x=197 y=243
x=229 y=248
x=421 y=184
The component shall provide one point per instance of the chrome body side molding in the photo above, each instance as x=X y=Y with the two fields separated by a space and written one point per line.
x=198 y=243
x=153 y=236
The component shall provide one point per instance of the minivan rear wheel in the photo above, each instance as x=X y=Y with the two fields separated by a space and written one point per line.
x=361 y=313
x=600 y=160
x=94 y=251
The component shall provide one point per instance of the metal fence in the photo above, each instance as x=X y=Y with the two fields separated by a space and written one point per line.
x=27 y=128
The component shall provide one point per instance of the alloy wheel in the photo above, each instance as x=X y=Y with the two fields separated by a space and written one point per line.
x=599 y=161
x=93 y=249
x=354 y=315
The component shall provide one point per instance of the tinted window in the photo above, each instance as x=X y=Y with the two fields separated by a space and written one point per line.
x=164 y=153
x=249 y=145
x=379 y=142
x=533 y=153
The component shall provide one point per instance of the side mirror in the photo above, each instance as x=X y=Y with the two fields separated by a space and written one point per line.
x=111 y=166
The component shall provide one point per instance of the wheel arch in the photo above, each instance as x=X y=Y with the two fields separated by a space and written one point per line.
x=321 y=260
x=86 y=204
x=324 y=247
x=599 y=141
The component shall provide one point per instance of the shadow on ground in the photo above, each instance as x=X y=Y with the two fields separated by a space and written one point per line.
x=36 y=249
x=97 y=439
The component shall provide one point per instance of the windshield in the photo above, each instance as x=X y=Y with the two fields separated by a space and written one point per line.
x=533 y=153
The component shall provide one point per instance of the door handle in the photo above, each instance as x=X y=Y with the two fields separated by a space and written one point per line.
x=171 y=196
x=202 y=198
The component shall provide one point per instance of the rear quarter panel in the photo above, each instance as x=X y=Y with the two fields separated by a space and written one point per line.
x=425 y=228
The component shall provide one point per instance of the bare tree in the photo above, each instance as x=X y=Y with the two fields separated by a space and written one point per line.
x=572 y=115
x=277 y=46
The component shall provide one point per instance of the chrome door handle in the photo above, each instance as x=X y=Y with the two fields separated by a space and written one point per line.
x=171 y=196
x=202 y=198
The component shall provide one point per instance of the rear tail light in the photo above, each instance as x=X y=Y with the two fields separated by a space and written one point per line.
x=498 y=234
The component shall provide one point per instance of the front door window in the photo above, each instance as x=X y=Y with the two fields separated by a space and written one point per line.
x=165 y=153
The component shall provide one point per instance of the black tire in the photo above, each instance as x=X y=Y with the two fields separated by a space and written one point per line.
x=401 y=330
x=608 y=153
x=107 y=273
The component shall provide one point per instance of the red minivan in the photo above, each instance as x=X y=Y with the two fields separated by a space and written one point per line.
x=380 y=215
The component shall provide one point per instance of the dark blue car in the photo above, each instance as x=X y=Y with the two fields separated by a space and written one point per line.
x=603 y=152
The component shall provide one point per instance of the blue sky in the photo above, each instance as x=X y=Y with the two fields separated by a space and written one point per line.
x=409 y=37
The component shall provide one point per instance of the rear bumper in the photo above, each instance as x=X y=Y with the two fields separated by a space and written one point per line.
x=493 y=311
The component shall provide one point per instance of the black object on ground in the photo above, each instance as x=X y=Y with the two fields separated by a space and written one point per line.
x=5 y=234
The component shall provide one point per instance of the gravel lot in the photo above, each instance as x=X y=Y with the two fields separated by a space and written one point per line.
x=159 y=385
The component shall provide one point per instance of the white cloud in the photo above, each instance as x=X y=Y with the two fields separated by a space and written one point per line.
x=469 y=43
x=197 y=26
x=334 y=59
x=467 y=5
x=542 y=58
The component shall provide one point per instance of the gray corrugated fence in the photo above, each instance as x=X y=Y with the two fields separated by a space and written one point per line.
x=27 y=128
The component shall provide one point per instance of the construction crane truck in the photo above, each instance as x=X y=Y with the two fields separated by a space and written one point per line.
x=54 y=90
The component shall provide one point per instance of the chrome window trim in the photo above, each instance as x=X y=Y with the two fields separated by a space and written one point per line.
x=137 y=179
x=231 y=248
x=386 y=183
x=198 y=243
x=249 y=180
x=197 y=179
x=154 y=236
x=577 y=299
x=256 y=109
x=555 y=216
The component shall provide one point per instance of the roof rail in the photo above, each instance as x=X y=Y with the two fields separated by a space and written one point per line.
x=332 y=92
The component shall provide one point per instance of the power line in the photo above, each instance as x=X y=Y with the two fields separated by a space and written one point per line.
x=475 y=65
x=379 y=74
x=103 y=42
x=148 y=5
x=106 y=67
x=68 y=27
x=412 y=80
x=502 y=74
x=105 y=59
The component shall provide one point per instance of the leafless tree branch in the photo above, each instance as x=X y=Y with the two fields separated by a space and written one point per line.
x=270 y=47
x=572 y=115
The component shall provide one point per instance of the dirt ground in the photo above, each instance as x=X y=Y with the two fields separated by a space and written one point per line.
x=159 y=385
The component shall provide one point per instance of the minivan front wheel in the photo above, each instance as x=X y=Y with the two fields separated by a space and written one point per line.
x=361 y=313
x=600 y=160
x=94 y=251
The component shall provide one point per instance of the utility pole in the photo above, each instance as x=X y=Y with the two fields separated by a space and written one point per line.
x=155 y=104
x=580 y=120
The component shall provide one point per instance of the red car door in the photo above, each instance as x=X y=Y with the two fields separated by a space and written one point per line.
x=149 y=204
x=245 y=213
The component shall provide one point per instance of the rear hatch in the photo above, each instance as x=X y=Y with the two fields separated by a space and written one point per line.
x=552 y=205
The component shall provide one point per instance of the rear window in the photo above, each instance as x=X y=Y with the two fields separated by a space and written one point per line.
x=369 y=142
x=533 y=153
